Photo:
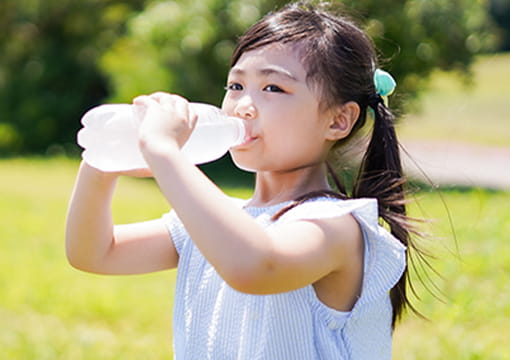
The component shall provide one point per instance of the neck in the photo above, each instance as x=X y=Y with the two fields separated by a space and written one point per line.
x=276 y=187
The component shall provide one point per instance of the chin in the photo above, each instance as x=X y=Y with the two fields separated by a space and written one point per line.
x=243 y=166
x=239 y=163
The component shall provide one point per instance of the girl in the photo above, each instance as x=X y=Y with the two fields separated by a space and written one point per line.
x=298 y=271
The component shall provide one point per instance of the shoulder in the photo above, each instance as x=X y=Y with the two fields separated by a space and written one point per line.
x=385 y=258
x=338 y=222
x=327 y=207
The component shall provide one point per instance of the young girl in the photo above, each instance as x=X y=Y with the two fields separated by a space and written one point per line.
x=299 y=271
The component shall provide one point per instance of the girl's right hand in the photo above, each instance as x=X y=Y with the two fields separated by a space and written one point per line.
x=166 y=122
x=138 y=173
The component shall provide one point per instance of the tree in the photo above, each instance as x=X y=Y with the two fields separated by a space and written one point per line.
x=48 y=66
x=60 y=57
x=185 y=46
x=500 y=12
x=418 y=36
x=180 y=46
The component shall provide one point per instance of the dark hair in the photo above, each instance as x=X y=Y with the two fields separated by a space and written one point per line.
x=340 y=60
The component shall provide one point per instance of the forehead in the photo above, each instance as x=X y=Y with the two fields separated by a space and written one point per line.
x=283 y=57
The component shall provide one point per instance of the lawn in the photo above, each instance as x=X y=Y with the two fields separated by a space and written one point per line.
x=473 y=258
x=474 y=113
x=50 y=311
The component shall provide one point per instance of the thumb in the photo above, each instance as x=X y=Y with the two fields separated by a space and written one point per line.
x=193 y=116
x=140 y=106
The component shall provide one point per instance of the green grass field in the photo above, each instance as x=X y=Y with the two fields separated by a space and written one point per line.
x=50 y=311
x=453 y=111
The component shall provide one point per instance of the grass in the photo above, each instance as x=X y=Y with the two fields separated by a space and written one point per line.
x=471 y=320
x=51 y=311
x=453 y=111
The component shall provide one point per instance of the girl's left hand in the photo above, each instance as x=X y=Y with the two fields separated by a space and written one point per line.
x=166 y=121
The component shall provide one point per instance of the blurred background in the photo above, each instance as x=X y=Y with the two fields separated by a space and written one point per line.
x=59 y=58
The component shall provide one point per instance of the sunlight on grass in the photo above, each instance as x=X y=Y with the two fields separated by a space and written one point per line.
x=48 y=309
x=452 y=111
x=51 y=311
x=470 y=322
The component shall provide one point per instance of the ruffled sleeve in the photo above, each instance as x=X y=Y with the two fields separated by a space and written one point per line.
x=384 y=254
x=385 y=259
x=176 y=230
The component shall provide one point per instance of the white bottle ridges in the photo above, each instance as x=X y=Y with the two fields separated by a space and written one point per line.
x=110 y=136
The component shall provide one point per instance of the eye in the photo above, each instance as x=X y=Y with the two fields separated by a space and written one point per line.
x=234 y=87
x=273 y=88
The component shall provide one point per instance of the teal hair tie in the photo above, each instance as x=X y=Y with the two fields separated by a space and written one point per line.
x=384 y=83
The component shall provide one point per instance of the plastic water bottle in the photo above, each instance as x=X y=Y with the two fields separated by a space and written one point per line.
x=110 y=136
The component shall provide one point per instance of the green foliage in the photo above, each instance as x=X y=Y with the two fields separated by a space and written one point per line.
x=61 y=57
x=185 y=46
x=500 y=12
x=48 y=66
x=416 y=37
x=180 y=46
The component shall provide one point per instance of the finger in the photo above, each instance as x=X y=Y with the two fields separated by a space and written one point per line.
x=138 y=173
x=140 y=106
x=180 y=105
x=161 y=96
x=193 y=116
x=139 y=111
x=143 y=100
x=176 y=105
x=141 y=173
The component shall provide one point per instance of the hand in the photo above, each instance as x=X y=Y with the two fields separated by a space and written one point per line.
x=139 y=173
x=166 y=121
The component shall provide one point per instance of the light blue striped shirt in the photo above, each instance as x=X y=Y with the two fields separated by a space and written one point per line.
x=214 y=321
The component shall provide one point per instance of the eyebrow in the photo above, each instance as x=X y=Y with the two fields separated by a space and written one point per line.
x=267 y=71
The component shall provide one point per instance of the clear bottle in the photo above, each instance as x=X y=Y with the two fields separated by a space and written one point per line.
x=110 y=136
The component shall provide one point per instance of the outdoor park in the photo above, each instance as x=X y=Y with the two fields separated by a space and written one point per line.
x=48 y=310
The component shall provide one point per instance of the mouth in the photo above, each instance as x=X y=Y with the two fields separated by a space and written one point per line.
x=248 y=139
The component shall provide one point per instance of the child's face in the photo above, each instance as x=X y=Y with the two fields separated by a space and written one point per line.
x=267 y=88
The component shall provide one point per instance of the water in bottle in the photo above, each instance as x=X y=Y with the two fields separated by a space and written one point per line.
x=110 y=136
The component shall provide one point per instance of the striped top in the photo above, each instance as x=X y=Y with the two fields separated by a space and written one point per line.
x=214 y=321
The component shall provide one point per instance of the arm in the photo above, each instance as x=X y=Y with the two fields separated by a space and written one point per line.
x=94 y=244
x=247 y=256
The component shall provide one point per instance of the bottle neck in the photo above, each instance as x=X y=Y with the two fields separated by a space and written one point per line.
x=241 y=130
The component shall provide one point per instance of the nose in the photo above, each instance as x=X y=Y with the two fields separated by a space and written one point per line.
x=245 y=108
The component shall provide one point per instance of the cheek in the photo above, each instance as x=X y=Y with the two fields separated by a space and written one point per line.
x=285 y=139
x=226 y=104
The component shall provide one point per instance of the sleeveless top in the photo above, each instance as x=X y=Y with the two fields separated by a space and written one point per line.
x=213 y=321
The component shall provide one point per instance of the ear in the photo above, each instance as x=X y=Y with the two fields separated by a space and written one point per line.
x=343 y=119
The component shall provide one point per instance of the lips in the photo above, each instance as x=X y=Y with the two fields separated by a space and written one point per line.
x=248 y=139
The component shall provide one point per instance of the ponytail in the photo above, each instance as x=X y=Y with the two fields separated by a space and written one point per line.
x=380 y=176
x=341 y=62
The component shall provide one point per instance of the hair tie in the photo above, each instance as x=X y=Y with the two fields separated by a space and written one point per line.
x=384 y=84
x=374 y=100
